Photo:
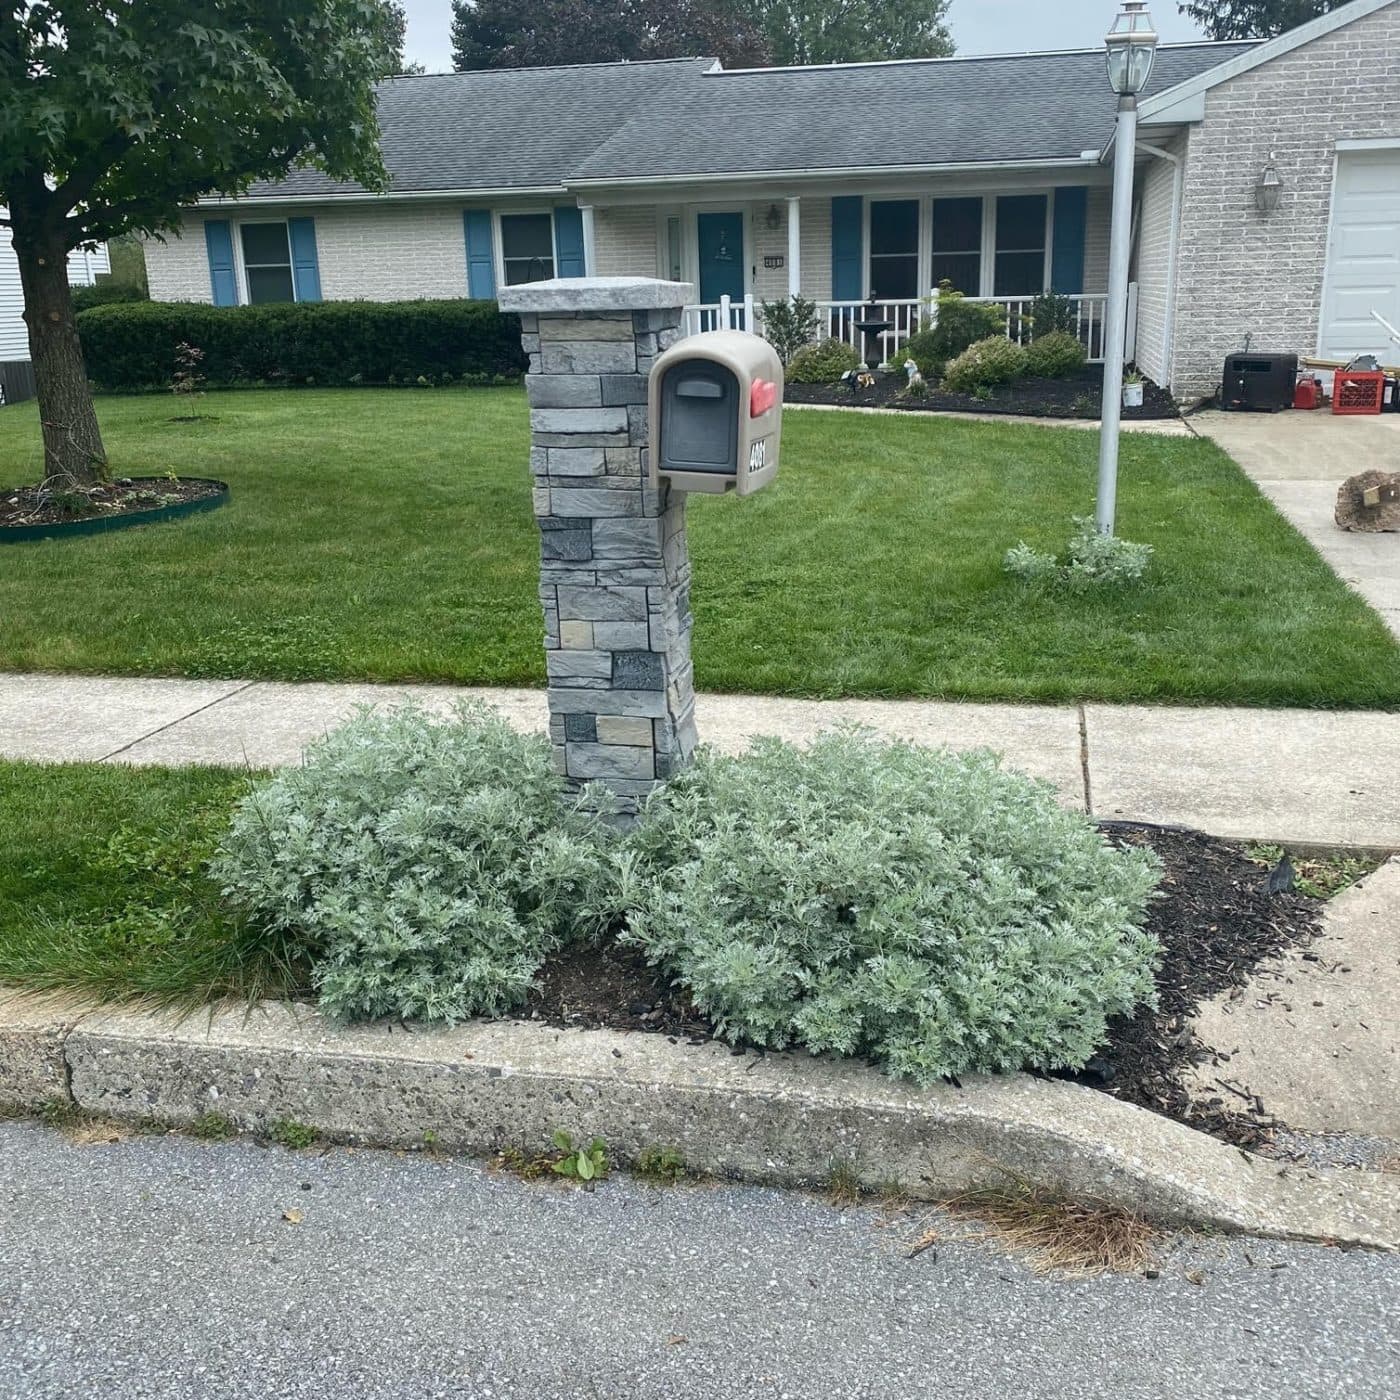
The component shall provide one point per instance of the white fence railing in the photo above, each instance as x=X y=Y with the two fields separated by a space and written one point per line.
x=840 y=320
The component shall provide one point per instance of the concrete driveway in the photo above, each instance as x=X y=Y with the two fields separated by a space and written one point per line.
x=1298 y=460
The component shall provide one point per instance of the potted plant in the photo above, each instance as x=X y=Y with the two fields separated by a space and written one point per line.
x=1132 y=389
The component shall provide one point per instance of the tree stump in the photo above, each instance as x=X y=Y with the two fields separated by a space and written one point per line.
x=1370 y=502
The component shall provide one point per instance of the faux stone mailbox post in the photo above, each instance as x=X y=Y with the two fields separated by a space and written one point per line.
x=614 y=567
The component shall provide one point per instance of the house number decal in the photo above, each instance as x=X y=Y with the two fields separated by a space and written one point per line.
x=758 y=455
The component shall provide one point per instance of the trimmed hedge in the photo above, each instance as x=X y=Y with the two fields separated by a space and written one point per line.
x=106 y=294
x=331 y=343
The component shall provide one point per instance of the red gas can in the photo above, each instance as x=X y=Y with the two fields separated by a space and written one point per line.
x=1308 y=393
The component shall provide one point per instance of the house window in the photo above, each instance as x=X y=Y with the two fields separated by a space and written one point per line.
x=1021 y=226
x=894 y=249
x=527 y=248
x=957 y=244
x=267 y=263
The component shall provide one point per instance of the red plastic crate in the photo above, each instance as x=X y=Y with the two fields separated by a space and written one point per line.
x=1358 y=391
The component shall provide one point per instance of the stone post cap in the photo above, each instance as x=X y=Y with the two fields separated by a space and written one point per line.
x=566 y=294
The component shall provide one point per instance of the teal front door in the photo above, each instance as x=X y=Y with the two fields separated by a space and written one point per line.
x=721 y=249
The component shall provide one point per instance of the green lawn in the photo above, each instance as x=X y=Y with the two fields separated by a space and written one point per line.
x=102 y=890
x=387 y=535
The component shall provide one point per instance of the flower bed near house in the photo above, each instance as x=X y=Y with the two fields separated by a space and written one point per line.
x=1077 y=396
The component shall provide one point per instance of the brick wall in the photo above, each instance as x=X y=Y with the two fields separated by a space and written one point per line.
x=1243 y=272
x=625 y=241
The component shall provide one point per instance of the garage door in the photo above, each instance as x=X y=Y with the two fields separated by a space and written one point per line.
x=1363 y=269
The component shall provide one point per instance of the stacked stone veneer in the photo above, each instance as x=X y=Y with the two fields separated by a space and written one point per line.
x=614 y=567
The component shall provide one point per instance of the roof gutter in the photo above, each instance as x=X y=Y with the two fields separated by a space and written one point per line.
x=843 y=172
x=370 y=197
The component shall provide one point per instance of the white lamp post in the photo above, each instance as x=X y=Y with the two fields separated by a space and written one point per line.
x=1132 y=45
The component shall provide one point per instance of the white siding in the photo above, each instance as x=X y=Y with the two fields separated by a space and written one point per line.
x=1246 y=273
x=14 y=335
x=1157 y=183
x=1098 y=224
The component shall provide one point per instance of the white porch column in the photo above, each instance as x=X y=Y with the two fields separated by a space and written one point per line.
x=590 y=242
x=794 y=225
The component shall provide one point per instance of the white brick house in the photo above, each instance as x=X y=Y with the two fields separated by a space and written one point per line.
x=861 y=181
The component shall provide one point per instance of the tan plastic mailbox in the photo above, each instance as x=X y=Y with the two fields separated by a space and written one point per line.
x=716 y=409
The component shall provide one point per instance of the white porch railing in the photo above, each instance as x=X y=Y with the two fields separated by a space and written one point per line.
x=838 y=319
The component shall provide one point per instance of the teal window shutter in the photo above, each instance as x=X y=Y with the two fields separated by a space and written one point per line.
x=1068 y=226
x=306 y=271
x=568 y=242
x=218 y=242
x=847 y=252
x=481 y=258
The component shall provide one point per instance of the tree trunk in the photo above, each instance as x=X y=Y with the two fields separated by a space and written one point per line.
x=73 y=453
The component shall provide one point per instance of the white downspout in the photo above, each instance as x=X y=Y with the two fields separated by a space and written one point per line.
x=1173 y=244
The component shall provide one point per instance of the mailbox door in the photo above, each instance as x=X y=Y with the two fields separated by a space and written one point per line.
x=699 y=419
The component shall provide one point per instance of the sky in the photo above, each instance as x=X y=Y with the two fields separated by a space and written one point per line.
x=979 y=26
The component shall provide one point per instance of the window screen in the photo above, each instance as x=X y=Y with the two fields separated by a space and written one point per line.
x=957 y=244
x=1020 y=267
x=894 y=249
x=267 y=263
x=527 y=248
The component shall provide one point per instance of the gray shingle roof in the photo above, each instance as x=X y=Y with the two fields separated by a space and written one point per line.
x=1032 y=107
x=545 y=127
x=512 y=128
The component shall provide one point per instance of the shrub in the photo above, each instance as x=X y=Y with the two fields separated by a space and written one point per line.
x=426 y=867
x=1091 y=561
x=789 y=325
x=1055 y=356
x=929 y=910
x=959 y=324
x=106 y=294
x=327 y=343
x=823 y=363
x=995 y=360
x=1051 y=314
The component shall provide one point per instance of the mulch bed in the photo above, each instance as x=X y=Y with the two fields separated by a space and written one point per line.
x=1215 y=920
x=1079 y=396
x=34 y=505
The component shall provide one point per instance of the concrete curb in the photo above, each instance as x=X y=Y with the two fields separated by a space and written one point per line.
x=779 y=1119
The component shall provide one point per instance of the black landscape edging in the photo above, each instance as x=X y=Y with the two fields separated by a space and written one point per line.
x=97 y=525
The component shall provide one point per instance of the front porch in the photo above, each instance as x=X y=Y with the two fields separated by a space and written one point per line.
x=1001 y=239
x=840 y=319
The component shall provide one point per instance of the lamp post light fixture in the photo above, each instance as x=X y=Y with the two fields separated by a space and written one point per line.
x=1132 y=45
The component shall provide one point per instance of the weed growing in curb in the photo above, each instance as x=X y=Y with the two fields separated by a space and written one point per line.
x=287 y=1132
x=212 y=1127
x=843 y=1186
x=586 y=1164
x=660 y=1164
x=1075 y=1239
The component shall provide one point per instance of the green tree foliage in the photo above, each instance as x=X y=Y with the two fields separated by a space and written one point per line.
x=115 y=116
x=537 y=33
x=1254 y=19
x=855 y=31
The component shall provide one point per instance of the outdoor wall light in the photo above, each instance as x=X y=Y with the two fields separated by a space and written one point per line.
x=1269 y=190
x=1132 y=45
x=773 y=219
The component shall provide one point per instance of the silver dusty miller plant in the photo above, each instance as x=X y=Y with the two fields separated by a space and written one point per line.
x=931 y=911
x=425 y=867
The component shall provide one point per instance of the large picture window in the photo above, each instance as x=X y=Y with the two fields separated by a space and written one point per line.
x=1021 y=233
x=957 y=245
x=894 y=249
x=527 y=248
x=267 y=263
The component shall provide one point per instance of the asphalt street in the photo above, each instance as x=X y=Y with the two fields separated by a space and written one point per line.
x=163 y=1267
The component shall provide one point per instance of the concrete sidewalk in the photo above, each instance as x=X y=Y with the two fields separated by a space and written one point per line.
x=1295 y=776
x=1299 y=460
